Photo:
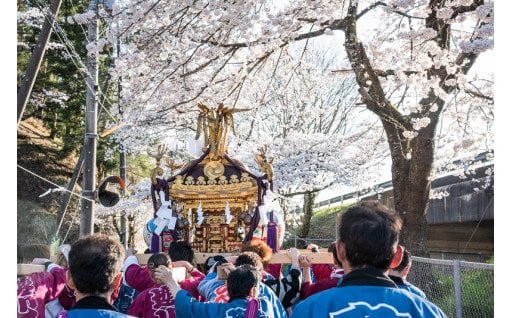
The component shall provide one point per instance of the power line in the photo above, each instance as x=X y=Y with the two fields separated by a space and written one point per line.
x=59 y=188
x=478 y=224
x=74 y=56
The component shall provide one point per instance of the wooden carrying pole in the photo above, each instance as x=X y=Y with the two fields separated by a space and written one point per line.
x=25 y=269
x=278 y=258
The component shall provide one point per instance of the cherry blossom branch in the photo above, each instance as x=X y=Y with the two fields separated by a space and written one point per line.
x=382 y=4
x=369 y=8
x=463 y=9
x=477 y=93
x=370 y=88
x=315 y=190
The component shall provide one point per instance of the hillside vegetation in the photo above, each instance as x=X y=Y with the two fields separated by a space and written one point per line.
x=40 y=154
x=323 y=226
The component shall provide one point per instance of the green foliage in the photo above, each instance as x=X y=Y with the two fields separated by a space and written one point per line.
x=138 y=168
x=329 y=211
x=34 y=223
x=477 y=293
x=323 y=226
x=107 y=164
x=59 y=93
x=443 y=294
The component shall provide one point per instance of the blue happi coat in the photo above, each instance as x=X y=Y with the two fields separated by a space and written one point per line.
x=189 y=307
x=366 y=293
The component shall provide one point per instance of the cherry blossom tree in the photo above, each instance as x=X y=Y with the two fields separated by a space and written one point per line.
x=410 y=60
x=438 y=58
x=138 y=207
x=308 y=123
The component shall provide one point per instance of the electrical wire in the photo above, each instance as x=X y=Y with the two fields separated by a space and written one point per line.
x=74 y=56
x=478 y=224
x=61 y=188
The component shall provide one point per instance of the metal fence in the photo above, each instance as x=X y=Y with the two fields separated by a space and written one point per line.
x=461 y=289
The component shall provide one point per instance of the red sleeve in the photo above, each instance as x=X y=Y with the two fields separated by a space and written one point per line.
x=322 y=271
x=274 y=270
x=309 y=289
x=138 y=277
x=67 y=298
x=137 y=307
x=36 y=289
x=190 y=284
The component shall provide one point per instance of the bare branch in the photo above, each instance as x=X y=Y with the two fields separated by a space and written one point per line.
x=382 y=4
x=316 y=190
x=385 y=73
x=463 y=9
x=477 y=93
x=371 y=7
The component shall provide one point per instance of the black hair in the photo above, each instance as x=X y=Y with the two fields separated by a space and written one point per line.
x=182 y=251
x=94 y=262
x=214 y=261
x=250 y=258
x=241 y=280
x=370 y=233
x=332 y=249
x=406 y=261
x=158 y=259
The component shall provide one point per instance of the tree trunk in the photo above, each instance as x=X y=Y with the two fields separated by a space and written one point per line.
x=411 y=189
x=131 y=230
x=309 y=203
x=116 y=225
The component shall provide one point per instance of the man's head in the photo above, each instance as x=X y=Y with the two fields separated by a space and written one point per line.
x=156 y=260
x=243 y=282
x=259 y=247
x=402 y=270
x=95 y=264
x=213 y=261
x=368 y=235
x=332 y=249
x=312 y=247
x=182 y=251
x=249 y=258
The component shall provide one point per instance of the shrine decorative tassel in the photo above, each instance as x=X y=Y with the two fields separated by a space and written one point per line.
x=252 y=308
x=155 y=243
x=272 y=235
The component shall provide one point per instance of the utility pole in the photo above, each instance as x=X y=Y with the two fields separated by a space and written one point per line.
x=91 y=129
x=122 y=159
x=27 y=83
x=78 y=169
x=67 y=196
x=122 y=172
